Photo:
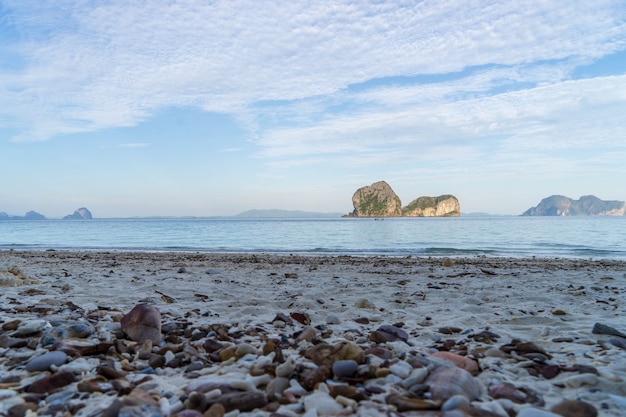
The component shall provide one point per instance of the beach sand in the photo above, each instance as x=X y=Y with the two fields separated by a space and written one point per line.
x=311 y=335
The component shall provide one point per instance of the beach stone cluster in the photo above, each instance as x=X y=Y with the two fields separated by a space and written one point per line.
x=115 y=363
x=157 y=358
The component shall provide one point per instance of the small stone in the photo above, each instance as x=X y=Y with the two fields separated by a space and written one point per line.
x=29 y=327
x=456 y=402
x=333 y=319
x=461 y=361
x=364 y=303
x=401 y=369
x=618 y=342
x=600 y=328
x=535 y=412
x=507 y=391
x=550 y=371
x=143 y=323
x=277 y=387
x=51 y=383
x=408 y=404
x=388 y=333
x=345 y=368
x=558 y=312
x=574 y=408
x=449 y=330
x=216 y=410
x=45 y=361
x=322 y=403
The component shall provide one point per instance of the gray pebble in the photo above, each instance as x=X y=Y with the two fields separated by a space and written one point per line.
x=345 y=368
x=45 y=361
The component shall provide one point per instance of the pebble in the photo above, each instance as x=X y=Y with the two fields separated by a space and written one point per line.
x=29 y=327
x=143 y=323
x=455 y=402
x=574 y=408
x=45 y=361
x=345 y=368
x=401 y=369
x=535 y=412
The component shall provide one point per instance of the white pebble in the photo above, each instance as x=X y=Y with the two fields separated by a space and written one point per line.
x=286 y=368
x=324 y=404
x=535 y=412
x=401 y=369
x=577 y=381
x=417 y=376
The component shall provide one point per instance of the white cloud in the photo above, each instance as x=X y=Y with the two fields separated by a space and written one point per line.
x=86 y=67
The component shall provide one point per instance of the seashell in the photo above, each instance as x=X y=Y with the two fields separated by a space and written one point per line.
x=444 y=382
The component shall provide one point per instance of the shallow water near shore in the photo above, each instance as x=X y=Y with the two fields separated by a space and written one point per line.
x=572 y=237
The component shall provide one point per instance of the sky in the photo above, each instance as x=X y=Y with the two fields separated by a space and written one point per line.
x=210 y=108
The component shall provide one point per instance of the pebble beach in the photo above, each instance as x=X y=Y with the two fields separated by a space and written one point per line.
x=87 y=333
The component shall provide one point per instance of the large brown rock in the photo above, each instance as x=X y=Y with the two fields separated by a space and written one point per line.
x=143 y=323
x=376 y=200
x=443 y=206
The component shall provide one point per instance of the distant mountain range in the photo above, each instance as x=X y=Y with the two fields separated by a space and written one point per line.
x=588 y=205
x=285 y=214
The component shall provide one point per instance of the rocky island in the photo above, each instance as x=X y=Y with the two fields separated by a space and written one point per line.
x=79 y=214
x=588 y=205
x=379 y=200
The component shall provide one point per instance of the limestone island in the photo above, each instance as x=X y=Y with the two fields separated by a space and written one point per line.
x=379 y=200
x=588 y=205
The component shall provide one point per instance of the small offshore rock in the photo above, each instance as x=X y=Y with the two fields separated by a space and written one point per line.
x=574 y=408
x=45 y=361
x=345 y=368
x=143 y=323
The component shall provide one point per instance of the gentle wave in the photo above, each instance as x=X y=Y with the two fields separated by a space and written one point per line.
x=465 y=236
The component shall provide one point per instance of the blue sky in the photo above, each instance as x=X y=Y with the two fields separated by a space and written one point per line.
x=212 y=108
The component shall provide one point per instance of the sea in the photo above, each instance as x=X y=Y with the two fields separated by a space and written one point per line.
x=583 y=237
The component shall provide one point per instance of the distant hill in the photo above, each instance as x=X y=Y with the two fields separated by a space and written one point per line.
x=31 y=215
x=283 y=214
x=588 y=205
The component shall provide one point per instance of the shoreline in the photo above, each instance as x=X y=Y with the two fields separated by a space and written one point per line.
x=442 y=304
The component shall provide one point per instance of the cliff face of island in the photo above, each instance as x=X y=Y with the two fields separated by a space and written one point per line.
x=589 y=205
x=443 y=206
x=376 y=200
x=379 y=200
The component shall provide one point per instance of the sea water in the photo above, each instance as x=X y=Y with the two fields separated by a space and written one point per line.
x=573 y=237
